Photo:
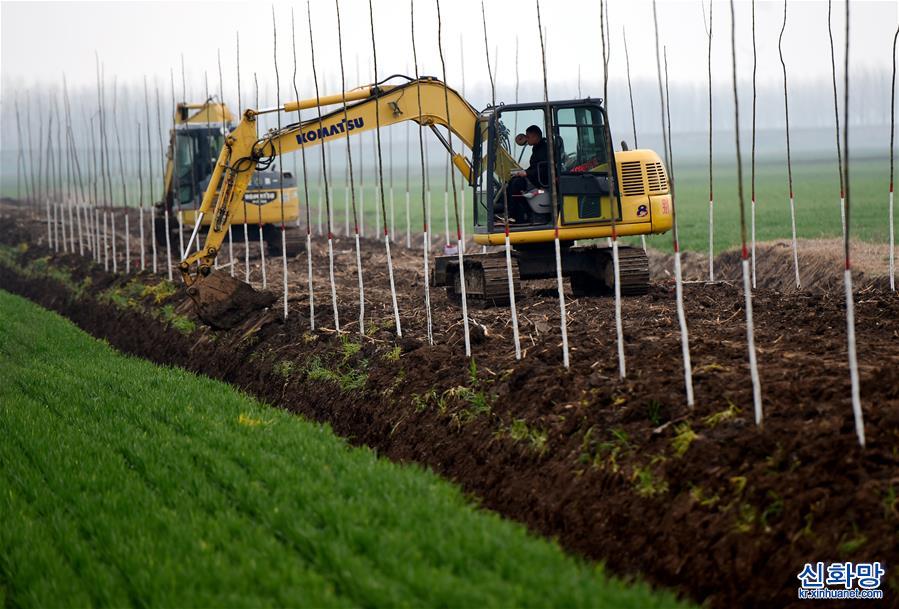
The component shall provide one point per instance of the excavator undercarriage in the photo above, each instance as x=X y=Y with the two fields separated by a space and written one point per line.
x=589 y=269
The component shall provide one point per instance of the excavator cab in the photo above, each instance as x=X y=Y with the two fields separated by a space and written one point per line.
x=196 y=150
x=599 y=193
x=583 y=193
x=598 y=190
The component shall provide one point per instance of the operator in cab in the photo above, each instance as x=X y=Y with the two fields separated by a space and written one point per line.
x=535 y=176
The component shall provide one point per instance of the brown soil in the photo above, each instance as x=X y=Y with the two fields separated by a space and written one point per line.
x=821 y=265
x=701 y=501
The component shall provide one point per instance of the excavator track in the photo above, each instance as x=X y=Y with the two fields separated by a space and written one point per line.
x=633 y=270
x=486 y=280
x=592 y=271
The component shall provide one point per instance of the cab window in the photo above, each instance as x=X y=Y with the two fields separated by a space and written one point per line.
x=196 y=152
x=582 y=146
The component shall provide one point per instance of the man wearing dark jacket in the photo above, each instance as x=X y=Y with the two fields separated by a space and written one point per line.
x=536 y=175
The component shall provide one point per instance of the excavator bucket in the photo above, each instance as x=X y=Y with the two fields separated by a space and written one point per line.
x=223 y=301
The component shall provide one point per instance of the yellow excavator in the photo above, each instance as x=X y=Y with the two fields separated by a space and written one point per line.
x=587 y=207
x=195 y=144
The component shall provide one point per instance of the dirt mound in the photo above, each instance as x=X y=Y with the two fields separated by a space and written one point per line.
x=223 y=301
x=820 y=265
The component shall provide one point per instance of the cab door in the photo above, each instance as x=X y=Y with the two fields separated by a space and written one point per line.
x=584 y=161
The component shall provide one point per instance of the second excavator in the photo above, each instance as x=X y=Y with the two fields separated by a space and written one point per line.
x=195 y=144
x=599 y=190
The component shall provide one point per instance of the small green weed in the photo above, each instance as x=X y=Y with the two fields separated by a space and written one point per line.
x=891 y=502
x=348 y=348
x=520 y=431
x=727 y=414
x=698 y=495
x=181 y=323
x=421 y=402
x=351 y=380
x=473 y=373
x=739 y=483
x=745 y=519
x=477 y=404
x=683 y=438
x=852 y=545
x=606 y=453
x=772 y=511
x=160 y=292
x=646 y=484
x=283 y=368
x=654 y=412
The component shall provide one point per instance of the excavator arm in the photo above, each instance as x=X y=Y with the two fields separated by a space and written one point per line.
x=367 y=108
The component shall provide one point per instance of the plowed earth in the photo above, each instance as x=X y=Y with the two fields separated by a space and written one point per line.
x=699 y=500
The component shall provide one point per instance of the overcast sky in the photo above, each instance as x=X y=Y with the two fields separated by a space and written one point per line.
x=41 y=41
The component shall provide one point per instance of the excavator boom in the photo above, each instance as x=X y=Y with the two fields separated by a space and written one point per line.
x=601 y=192
x=422 y=100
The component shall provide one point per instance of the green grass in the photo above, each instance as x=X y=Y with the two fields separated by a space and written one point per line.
x=125 y=484
x=817 y=197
